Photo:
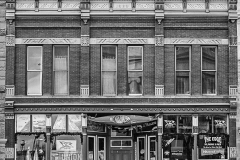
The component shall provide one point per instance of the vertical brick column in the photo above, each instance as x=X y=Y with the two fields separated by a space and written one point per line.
x=159 y=48
x=9 y=130
x=169 y=71
x=122 y=74
x=196 y=70
x=84 y=61
x=232 y=53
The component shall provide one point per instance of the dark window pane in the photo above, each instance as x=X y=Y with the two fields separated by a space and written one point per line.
x=127 y=143
x=208 y=83
x=135 y=82
x=208 y=58
x=205 y=124
x=182 y=58
x=170 y=124
x=182 y=83
x=135 y=58
x=185 y=124
x=34 y=58
x=116 y=143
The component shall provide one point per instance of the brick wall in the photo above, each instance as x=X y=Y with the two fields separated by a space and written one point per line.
x=122 y=74
x=21 y=70
x=196 y=70
x=10 y=67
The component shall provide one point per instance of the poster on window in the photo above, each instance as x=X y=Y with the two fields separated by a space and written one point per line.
x=59 y=123
x=38 y=123
x=66 y=145
x=74 y=123
x=212 y=146
x=23 y=123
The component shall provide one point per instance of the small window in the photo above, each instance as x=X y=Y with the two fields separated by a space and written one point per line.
x=60 y=69
x=209 y=70
x=183 y=70
x=121 y=133
x=135 y=70
x=34 y=70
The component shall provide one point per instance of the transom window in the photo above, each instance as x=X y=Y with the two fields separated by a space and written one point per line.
x=183 y=69
x=135 y=70
x=209 y=70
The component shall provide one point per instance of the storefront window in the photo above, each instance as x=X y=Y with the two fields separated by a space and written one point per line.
x=141 y=148
x=212 y=146
x=170 y=124
x=101 y=148
x=177 y=146
x=91 y=144
x=66 y=147
x=152 y=148
x=212 y=124
x=30 y=146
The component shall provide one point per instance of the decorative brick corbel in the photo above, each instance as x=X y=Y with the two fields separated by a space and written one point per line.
x=159 y=10
x=10 y=11
x=232 y=11
x=207 y=6
x=9 y=109
x=85 y=11
x=233 y=108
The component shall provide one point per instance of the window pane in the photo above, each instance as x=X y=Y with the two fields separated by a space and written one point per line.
x=208 y=83
x=74 y=123
x=220 y=124
x=39 y=123
x=101 y=149
x=135 y=58
x=170 y=122
x=135 y=82
x=61 y=83
x=182 y=58
x=182 y=83
x=23 y=123
x=127 y=143
x=141 y=148
x=116 y=143
x=34 y=58
x=208 y=58
x=185 y=124
x=109 y=83
x=108 y=58
x=61 y=58
x=205 y=124
x=58 y=123
x=91 y=145
x=152 y=150
x=34 y=82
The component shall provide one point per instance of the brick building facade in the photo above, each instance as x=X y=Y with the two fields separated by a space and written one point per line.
x=141 y=80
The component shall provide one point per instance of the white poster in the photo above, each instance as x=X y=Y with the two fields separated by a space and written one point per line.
x=66 y=145
x=23 y=123
x=38 y=123
x=59 y=125
x=74 y=123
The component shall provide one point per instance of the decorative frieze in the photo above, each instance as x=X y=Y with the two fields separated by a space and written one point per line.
x=122 y=41
x=85 y=40
x=159 y=40
x=10 y=40
x=48 y=40
x=122 y=6
x=9 y=152
x=233 y=152
x=48 y=6
x=70 y=6
x=218 y=6
x=195 y=41
x=25 y=5
x=173 y=6
x=195 y=6
x=145 y=6
x=100 y=6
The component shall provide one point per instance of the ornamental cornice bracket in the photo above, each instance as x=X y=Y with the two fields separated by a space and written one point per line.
x=85 y=16
x=159 y=16
x=232 y=12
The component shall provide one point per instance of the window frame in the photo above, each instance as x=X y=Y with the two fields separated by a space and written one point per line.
x=121 y=140
x=189 y=70
x=128 y=70
x=41 y=69
x=68 y=48
x=108 y=70
x=104 y=138
x=216 y=51
x=149 y=147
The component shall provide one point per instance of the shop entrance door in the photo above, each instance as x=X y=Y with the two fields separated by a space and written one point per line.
x=121 y=154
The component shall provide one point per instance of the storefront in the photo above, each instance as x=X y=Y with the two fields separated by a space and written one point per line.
x=122 y=137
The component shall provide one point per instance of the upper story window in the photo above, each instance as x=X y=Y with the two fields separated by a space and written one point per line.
x=60 y=69
x=135 y=70
x=183 y=69
x=109 y=70
x=209 y=70
x=34 y=70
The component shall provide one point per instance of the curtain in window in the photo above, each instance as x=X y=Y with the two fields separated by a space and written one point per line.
x=109 y=83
